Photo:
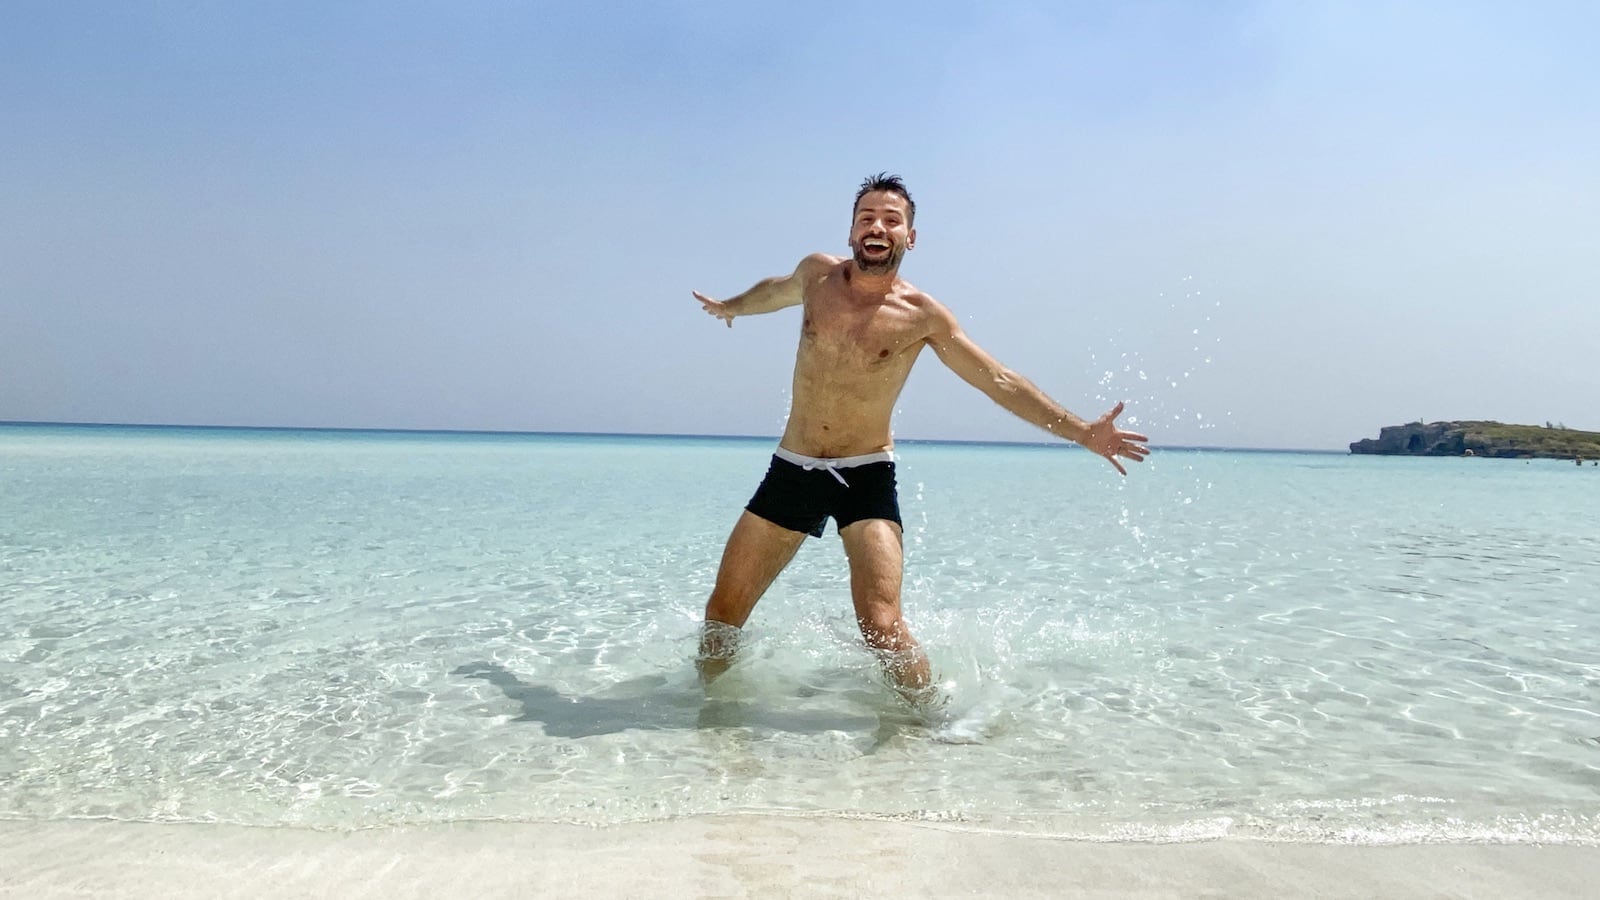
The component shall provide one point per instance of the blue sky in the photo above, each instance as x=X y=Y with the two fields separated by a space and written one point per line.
x=1261 y=224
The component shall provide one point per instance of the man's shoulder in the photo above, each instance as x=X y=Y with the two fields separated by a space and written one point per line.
x=818 y=264
x=935 y=316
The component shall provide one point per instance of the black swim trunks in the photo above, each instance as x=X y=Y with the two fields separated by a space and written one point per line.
x=800 y=492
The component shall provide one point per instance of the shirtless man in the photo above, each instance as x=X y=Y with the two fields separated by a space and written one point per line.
x=862 y=328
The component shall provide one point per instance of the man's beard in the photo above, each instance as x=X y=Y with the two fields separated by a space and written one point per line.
x=883 y=267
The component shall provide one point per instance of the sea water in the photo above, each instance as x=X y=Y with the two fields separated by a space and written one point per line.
x=346 y=630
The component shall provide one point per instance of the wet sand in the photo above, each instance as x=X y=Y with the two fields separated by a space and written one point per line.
x=742 y=856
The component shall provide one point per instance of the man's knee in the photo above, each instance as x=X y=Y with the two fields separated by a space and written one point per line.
x=883 y=629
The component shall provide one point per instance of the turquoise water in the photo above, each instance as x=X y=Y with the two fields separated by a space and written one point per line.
x=355 y=629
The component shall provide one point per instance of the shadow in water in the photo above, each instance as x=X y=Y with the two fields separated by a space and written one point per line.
x=653 y=703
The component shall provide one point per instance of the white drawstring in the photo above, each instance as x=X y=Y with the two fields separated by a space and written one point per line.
x=812 y=463
x=832 y=470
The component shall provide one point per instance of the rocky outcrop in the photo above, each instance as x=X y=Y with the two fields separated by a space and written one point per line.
x=1481 y=439
x=1416 y=439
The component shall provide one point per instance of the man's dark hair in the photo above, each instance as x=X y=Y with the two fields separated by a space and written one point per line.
x=883 y=181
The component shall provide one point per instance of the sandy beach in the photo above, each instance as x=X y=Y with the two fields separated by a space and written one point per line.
x=741 y=856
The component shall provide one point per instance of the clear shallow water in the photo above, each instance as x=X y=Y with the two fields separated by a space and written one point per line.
x=346 y=630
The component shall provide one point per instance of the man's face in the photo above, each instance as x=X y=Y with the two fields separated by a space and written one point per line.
x=881 y=233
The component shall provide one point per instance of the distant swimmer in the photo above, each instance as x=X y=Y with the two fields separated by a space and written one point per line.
x=862 y=327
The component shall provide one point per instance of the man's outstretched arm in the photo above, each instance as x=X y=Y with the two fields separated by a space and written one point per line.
x=1023 y=399
x=769 y=294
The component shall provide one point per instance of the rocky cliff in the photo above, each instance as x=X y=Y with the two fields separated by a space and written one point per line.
x=1481 y=439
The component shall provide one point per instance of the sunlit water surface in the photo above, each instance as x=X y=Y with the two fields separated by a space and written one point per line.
x=346 y=630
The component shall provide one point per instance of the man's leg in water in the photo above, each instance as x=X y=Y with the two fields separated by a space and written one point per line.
x=876 y=571
x=757 y=551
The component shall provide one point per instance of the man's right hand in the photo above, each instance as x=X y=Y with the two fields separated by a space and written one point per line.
x=715 y=307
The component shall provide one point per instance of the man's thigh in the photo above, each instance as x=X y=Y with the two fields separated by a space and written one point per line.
x=757 y=551
x=877 y=558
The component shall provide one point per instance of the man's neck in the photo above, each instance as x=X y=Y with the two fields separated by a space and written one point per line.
x=869 y=284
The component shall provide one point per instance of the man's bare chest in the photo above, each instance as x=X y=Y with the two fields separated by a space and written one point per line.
x=847 y=333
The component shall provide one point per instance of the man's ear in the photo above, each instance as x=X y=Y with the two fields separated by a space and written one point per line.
x=911 y=238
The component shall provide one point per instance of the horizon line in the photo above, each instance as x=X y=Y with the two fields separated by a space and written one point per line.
x=620 y=434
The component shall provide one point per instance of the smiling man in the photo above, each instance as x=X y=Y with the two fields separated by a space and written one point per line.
x=862 y=328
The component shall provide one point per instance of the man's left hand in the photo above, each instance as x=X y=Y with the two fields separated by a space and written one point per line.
x=1106 y=439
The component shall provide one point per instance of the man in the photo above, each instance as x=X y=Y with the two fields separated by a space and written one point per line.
x=862 y=328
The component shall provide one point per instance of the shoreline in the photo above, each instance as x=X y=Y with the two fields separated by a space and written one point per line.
x=743 y=856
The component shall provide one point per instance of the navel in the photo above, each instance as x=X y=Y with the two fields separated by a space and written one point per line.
x=882 y=353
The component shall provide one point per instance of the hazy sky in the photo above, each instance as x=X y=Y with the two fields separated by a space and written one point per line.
x=1261 y=224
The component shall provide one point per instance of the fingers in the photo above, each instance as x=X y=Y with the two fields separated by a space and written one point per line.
x=1129 y=451
x=1127 y=438
x=1110 y=419
x=713 y=308
x=1129 y=444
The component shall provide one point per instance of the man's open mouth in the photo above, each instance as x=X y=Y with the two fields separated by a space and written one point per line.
x=875 y=246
